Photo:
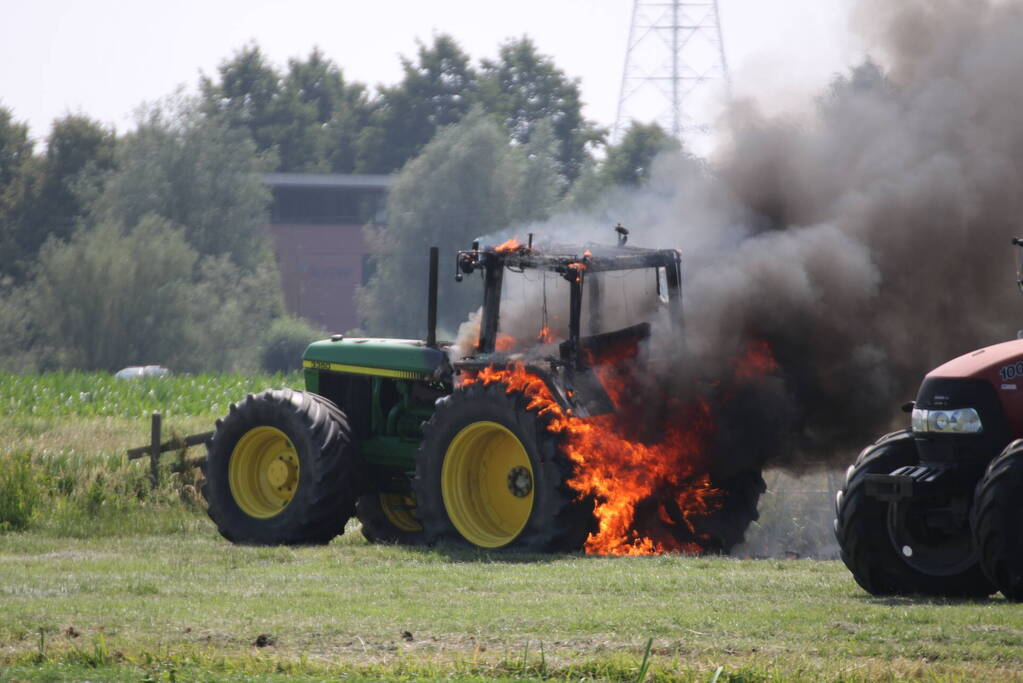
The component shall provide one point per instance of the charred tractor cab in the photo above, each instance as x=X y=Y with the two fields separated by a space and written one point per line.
x=935 y=509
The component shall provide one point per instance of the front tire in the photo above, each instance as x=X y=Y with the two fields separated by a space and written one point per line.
x=998 y=521
x=280 y=470
x=867 y=529
x=490 y=474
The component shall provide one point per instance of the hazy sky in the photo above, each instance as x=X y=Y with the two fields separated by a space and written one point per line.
x=105 y=57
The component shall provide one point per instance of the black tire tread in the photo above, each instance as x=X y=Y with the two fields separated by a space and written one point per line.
x=861 y=530
x=325 y=501
x=998 y=522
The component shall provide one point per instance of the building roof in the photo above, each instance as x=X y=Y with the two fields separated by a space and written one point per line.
x=338 y=180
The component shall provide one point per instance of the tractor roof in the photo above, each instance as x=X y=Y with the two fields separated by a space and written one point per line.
x=561 y=258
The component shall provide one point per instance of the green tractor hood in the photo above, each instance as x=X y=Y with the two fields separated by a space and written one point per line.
x=398 y=358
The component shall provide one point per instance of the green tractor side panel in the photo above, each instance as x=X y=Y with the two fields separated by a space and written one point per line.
x=395 y=358
x=393 y=432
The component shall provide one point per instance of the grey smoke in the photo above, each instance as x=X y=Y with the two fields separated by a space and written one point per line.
x=866 y=243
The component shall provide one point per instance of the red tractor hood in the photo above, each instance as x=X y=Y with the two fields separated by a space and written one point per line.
x=1001 y=366
x=998 y=364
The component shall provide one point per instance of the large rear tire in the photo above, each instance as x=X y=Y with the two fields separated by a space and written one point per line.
x=489 y=474
x=998 y=521
x=869 y=529
x=280 y=470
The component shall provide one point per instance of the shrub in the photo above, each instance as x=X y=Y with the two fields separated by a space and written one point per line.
x=284 y=343
x=19 y=491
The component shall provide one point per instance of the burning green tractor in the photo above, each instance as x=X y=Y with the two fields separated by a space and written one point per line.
x=390 y=431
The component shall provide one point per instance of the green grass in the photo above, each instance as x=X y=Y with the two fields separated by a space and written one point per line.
x=113 y=581
x=81 y=394
x=130 y=606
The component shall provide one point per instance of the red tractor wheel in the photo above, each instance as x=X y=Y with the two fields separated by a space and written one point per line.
x=887 y=547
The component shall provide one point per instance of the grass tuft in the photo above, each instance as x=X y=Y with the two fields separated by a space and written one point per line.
x=20 y=493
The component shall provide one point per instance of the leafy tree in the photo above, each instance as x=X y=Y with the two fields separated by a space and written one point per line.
x=436 y=91
x=112 y=297
x=22 y=345
x=523 y=88
x=629 y=162
x=284 y=342
x=17 y=177
x=15 y=148
x=42 y=196
x=195 y=172
x=78 y=150
x=539 y=183
x=248 y=95
x=463 y=185
x=229 y=311
x=321 y=114
x=307 y=120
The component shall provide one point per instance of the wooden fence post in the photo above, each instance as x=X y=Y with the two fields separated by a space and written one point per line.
x=154 y=452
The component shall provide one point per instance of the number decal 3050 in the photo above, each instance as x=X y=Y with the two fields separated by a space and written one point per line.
x=1010 y=371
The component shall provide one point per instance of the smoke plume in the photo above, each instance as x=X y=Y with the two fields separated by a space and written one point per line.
x=864 y=244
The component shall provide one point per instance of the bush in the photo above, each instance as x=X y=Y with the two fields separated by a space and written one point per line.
x=285 y=342
x=19 y=491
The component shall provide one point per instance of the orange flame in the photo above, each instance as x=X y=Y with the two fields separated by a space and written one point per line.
x=504 y=342
x=756 y=362
x=508 y=245
x=617 y=472
x=579 y=267
x=648 y=493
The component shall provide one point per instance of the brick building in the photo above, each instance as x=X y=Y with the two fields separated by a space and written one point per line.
x=316 y=222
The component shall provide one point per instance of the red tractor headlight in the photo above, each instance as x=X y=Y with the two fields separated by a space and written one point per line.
x=957 y=421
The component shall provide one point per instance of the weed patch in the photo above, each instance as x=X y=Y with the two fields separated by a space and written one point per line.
x=20 y=493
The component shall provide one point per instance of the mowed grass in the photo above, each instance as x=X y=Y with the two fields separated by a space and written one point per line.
x=127 y=607
x=112 y=581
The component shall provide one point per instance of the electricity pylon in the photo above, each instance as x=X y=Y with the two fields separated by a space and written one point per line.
x=675 y=68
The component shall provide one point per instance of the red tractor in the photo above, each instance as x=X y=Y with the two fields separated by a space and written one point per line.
x=935 y=509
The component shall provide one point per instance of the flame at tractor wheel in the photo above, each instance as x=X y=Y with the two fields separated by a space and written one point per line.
x=649 y=493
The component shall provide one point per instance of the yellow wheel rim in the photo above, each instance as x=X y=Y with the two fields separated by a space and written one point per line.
x=487 y=484
x=398 y=509
x=263 y=472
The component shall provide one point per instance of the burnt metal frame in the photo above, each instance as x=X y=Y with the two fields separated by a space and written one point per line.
x=573 y=264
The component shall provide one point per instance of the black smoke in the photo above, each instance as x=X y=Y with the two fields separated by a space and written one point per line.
x=875 y=241
x=865 y=242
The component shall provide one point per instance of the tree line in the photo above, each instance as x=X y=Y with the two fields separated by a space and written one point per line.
x=145 y=246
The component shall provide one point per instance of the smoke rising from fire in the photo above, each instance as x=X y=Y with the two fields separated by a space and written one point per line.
x=864 y=244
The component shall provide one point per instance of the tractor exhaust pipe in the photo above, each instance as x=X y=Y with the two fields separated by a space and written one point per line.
x=431 y=301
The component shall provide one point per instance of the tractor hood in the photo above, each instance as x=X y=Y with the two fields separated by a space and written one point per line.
x=998 y=364
x=988 y=379
x=397 y=358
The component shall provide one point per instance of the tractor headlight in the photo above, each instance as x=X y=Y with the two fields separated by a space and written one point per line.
x=958 y=421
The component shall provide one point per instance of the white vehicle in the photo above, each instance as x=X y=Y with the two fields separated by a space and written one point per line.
x=136 y=371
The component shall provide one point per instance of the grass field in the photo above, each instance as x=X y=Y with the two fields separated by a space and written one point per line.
x=107 y=580
x=130 y=607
